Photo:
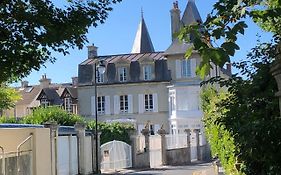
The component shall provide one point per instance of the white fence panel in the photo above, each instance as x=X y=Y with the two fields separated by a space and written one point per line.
x=176 y=141
x=140 y=143
x=116 y=155
x=88 y=155
x=193 y=145
x=67 y=155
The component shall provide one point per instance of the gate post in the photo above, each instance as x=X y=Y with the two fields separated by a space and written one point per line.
x=188 y=134
x=134 y=147
x=163 y=133
x=196 y=131
x=54 y=149
x=80 y=128
x=146 y=134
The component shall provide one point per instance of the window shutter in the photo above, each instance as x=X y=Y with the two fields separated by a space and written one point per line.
x=193 y=67
x=93 y=105
x=155 y=103
x=178 y=69
x=107 y=105
x=130 y=103
x=141 y=103
x=116 y=104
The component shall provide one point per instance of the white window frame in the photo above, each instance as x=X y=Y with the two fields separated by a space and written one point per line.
x=124 y=103
x=172 y=101
x=147 y=72
x=122 y=74
x=44 y=102
x=186 y=68
x=68 y=104
x=148 y=102
x=101 y=104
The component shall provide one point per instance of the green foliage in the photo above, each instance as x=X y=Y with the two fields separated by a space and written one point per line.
x=43 y=115
x=31 y=29
x=247 y=122
x=8 y=97
x=5 y=119
x=221 y=140
x=224 y=24
x=113 y=131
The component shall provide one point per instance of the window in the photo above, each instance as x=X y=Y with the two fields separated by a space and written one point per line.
x=44 y=102
x=124 y=103
x=68 y=104
x=100 y=77
x=185 y=67
x=147 y=72
x=148 y=102
x=101 y=105
x=173 y=101
x=122 y=72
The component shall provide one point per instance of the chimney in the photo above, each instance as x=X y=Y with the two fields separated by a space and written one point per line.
x=175 y=20
x=44 y=81
x=228 y=68
x=24 y=84
x=74 y=81
x=92 y=51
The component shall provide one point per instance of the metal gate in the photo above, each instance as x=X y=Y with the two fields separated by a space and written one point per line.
x=116 y=155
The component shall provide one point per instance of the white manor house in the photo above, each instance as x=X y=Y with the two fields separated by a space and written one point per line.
x=159 y=88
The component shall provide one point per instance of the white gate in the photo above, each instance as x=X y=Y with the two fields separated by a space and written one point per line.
x=155 y=151
x=116 y=155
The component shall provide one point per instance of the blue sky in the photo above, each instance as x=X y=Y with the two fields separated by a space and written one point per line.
x=117 y=34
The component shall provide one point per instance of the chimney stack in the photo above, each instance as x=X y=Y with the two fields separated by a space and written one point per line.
x=44 y=81
x=92 y=51
x=74 y=81
x=175 y=20
x=228 y=68
x=24 y=84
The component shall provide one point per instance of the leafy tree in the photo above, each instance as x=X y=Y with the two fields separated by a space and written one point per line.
x=249 y=117
x=8 y=98
x=225 y=23
x=43 y=115
x=31 y=29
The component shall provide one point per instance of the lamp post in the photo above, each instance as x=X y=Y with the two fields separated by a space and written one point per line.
x=99 y=67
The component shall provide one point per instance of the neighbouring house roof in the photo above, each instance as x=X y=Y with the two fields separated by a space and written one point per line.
x=142 y=43
x=51 y=94
x=177 y=48
x=71 y=90
x=28 y=94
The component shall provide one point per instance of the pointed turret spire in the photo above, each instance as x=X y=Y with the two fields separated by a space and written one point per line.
x=191 y=14
x=142 y=43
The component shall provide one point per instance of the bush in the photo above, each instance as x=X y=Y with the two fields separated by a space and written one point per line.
x=43 y=115
x=5 y=119
x=113 y=131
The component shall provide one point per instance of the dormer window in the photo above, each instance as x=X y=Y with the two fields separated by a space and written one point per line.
x=147 y=72
x=186 y=68
x=122 y=74
x=100 y=77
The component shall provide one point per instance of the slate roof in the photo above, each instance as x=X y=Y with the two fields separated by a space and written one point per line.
x=128 y=57
x=71 y=90
x=142 y=43
x=191 y=13
x=52 y=95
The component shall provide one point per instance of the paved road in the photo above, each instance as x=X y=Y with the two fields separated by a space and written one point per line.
x=195 y=169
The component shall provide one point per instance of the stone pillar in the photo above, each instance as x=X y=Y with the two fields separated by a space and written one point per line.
x=196 y=131
x=188 y=134
x=163 y=133
x=53 y=140
x=146 y=134
x=80 y=129
x=276 y=72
